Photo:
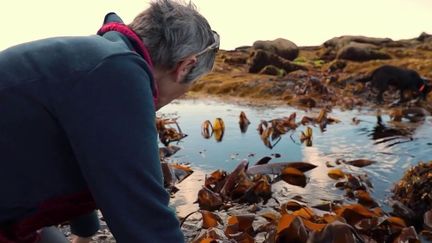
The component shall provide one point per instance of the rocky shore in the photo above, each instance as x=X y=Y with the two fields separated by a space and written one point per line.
x=316 y=76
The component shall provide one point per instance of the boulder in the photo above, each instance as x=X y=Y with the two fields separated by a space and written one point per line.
x=260 y=59
x=340 y=42
x=424 y=37
x=281 y=47
x=361 y=52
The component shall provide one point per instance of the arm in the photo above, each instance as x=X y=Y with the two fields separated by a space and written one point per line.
x=109 y=118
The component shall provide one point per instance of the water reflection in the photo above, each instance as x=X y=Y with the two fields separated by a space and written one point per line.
x=391 y=135
x=206 y=129
x=217 y=129
x=306 y=136
x=366 y=139
x=243 y=122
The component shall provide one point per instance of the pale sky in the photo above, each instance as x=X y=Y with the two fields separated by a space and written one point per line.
x=239 y=22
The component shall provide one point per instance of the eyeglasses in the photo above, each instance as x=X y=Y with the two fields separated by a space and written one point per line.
x=214 y=46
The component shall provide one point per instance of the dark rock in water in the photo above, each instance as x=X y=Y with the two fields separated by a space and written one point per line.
x=360 y=162
x=263 y=160
x=276 y=155
x=260 y=59
x=361 y=52
x=281 y=47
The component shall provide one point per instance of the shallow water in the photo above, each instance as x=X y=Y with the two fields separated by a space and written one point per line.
x=344 y=140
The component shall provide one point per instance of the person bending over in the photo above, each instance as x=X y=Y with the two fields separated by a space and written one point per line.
x=77 y=127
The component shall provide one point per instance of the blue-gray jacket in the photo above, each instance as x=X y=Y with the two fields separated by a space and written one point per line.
x=77 y=114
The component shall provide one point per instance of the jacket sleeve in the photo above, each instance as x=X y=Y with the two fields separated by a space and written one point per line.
x=109 y=118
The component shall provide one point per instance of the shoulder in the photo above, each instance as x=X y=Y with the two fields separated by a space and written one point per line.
x=122 y=66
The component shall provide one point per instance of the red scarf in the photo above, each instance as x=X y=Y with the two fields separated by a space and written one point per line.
x=138 y=45
x=422 y=88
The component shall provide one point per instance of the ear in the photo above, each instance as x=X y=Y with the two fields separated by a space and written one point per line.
x=184 y=67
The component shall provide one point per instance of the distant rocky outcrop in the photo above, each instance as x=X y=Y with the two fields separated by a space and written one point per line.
x=320 y=76
x=355 y=48
x=424 y=37
x=425 y=42
x=259 y=59
x=361 y=52
x=281 y=47
x=340 y=42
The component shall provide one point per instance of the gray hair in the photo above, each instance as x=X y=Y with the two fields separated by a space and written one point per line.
x=174 y=30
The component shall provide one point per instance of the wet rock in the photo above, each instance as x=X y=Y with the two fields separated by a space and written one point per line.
x=413 y=192
x=334 y=232
x=361 y=52
x=281 y=47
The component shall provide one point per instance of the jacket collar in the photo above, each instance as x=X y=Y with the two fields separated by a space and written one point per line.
x=112 y=17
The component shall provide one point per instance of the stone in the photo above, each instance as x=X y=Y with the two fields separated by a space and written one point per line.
x=361 y=52
x=260 y=59
x=281 y=47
